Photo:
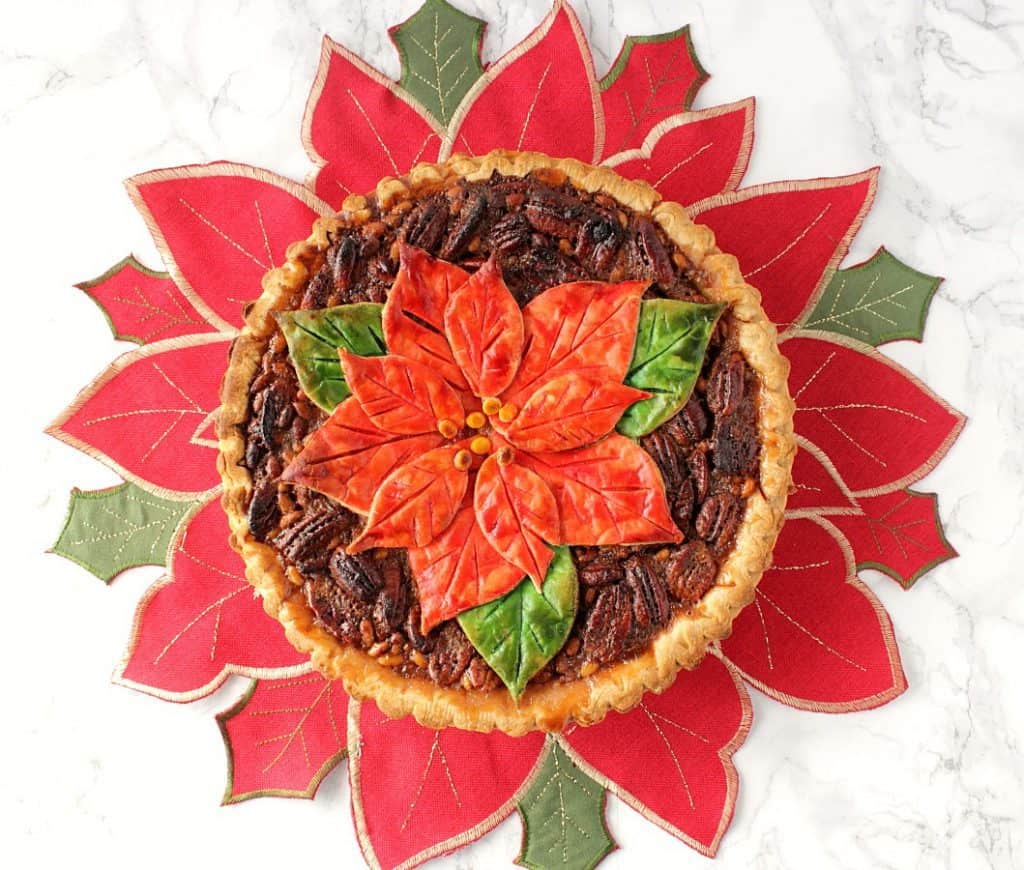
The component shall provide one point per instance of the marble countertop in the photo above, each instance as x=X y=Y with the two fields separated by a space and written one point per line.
x=930 y=89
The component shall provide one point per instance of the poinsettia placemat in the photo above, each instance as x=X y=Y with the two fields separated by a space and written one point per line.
x=867 y=431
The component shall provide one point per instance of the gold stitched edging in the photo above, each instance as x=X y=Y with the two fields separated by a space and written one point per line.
x=684 y=641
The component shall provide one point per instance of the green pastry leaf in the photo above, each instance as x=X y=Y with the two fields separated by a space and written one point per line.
x=520 y=632
x=109 y=530
x=440 y=50
x=314 y=338
x=880 y=300
x=563 y=817
x=671 y=339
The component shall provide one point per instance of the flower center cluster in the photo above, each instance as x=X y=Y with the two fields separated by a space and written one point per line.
x=482 y=444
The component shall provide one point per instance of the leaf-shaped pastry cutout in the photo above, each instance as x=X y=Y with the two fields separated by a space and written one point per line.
x=517 y=513
x=484 y=326
x=415 y=503
x=520 y=632
x=314 y=338
x=587 y=327
x=671 y=340
x=608 y=493
x=413 y=317
x=400 y=395
x=348 y=458
x=459 y=570
x=570 y=411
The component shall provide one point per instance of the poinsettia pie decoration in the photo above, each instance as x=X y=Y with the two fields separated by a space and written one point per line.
x=506 y=443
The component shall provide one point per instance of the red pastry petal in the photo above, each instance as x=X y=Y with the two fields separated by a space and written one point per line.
x=400 y=395
x=608 y=493
x=360 y=126
x=898 y=533
x=416 y=502
x=418 y=793
x=284 y=736
x=458 y=570
x=484 y=327
x=348 y=458
x=788 y=235
x=670 y=758
x=652 y=78
x=817 y=486
x=220 y=227
x=815 y=637
x=541 y=96
x=413 y=317
x=587 y=327
x=880 y=426
x=570 y=411
x=142 y=305
x=203 y=622
x=517 y=513
x=693 y=155
x=148 y=415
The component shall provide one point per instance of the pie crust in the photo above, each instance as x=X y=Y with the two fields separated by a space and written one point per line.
x=554 y=705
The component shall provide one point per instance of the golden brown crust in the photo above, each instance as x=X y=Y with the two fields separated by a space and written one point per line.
x=684 y=641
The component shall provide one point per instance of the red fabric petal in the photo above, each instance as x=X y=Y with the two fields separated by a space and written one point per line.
x=650 y=80
x=815 y=637
x=400 y=395
x=203 y=622
x=422 y=289
x=146 y=415
x=517 y=513
x=541 y=96
x=284 y=736
x=587 y=327
x=418 y=793
x=880 y=427
x=898 y=533
x=570 y=411
x=142 y=305
x=484 y=327
x=458 y=570
x=670 y=758
x=348 y=458
x=787 y=235
x=416 y=503
x=360 y=126
x=817 y=486
x=694 y=155
x=220 y=227
x=608 y=493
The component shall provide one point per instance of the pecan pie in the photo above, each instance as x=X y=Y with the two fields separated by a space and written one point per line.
x=506 y=443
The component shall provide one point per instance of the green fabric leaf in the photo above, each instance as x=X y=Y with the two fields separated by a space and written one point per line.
x=109 y=530
x=563 y=817
x=314 y=338
x=880 y=300
x=520 y=632
x=671 y=339
x=440 y=50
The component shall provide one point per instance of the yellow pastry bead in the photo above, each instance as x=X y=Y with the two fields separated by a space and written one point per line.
x=492 y=405
x=462 y=460
x=447 y=428
x=481 y=445
x=476 y=420
x=507 y=412
x=504 y=456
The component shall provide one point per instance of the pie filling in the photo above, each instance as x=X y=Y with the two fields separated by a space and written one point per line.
x=542 y=232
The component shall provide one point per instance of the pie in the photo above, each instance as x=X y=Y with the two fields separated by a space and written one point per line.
x=506 y=443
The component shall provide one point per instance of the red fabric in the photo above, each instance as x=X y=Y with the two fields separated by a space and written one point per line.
x=815 y=638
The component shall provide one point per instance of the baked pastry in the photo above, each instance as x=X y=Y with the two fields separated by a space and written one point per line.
x=422 y=448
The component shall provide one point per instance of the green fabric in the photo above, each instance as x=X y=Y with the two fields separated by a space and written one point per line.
x=109 y=530
x=671 y=340
x=314 y=338
x=440 y=50
x=563 y=816
x=663 y=77
x=520 y=632
x=878 y=301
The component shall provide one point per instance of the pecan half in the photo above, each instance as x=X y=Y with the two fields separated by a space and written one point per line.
x=651 y=607
x=554 y=213
x=653 y=253
x=599 y=566
x=735 y=442
x=608 y=626
x=598 y=242
x=700 y=472
x=343 y=262
x=718 y=519
x=690 y=572
x=264 y=512
x=509 y=234
x=350 y=573
x=464 y=227
x=310 y=541
x=726 y=383
x=426 y=225
x=451 y=655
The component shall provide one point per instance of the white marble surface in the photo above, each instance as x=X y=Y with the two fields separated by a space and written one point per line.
x=92 y=92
